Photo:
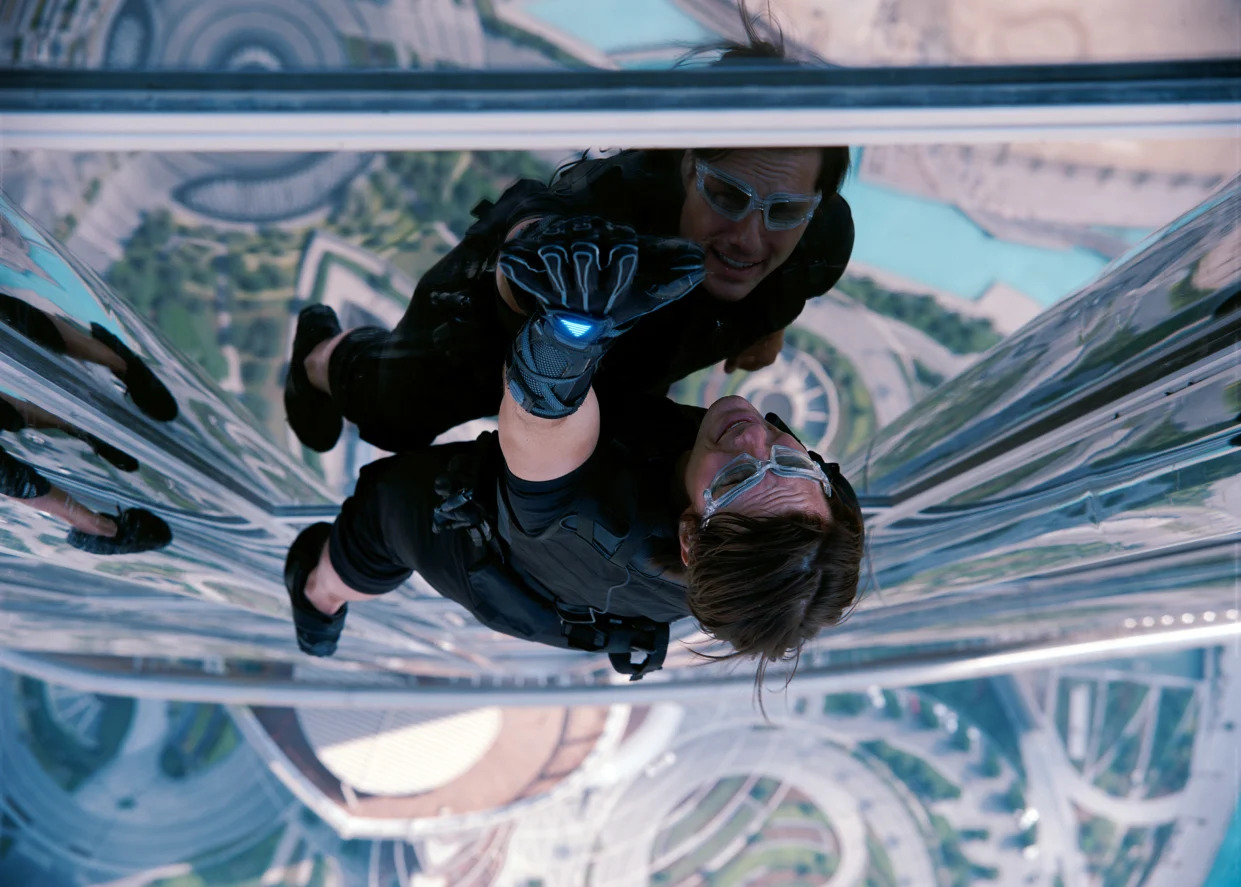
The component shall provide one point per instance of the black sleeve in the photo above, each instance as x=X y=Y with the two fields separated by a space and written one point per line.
x=821 y=258
x=536 y=505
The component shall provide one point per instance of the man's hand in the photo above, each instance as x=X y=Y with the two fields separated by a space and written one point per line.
x=589 y=268
x=762 y=353
x=591 y=281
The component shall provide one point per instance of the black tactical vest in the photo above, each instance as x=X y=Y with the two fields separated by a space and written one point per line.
x=609 y=555
x=615 y=551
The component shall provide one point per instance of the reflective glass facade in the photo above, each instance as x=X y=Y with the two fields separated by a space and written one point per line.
x=1029 y=371
x=164 y=35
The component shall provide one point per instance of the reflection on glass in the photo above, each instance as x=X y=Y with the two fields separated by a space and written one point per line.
x=930 y=367
x=130 y=530
x=244 y=35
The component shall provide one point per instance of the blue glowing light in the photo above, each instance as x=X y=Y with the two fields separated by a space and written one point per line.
x=578 y=329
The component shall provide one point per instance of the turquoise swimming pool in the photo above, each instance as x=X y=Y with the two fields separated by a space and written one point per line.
x=1227 y=869
x=924 y=241
x=937 y=245
x=619 y=25
x=51 y=277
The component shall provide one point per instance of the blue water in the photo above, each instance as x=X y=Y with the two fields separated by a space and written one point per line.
x=618 y=25
x=55 y=280
x=937 y=245
x=1227 y=869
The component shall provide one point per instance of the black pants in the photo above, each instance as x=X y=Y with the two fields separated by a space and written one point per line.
x=385 y=532
x=441 y=366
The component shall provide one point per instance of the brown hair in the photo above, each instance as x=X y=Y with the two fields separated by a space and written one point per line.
x=833 y=164
x=759 y=50
x=766 y=585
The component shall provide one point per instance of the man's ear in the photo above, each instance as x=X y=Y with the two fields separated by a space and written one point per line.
x=687 y=168
x=685 y=533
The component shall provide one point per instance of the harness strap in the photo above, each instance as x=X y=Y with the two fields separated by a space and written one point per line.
x=619 y=637
x=654 y=643
x=584 y=628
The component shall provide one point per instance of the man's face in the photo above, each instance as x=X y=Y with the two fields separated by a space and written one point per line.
x=733 y=426
x=740 y=254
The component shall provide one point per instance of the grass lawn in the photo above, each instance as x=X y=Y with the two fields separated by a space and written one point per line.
x=793 y=812
x=210 y=737
x=921 y=778
x=858 y=422
x=61 y=756
x=692 y=822
x=736 y=825
x=1122 y=701
x=779 y=859
x=193 y=333
x=243 y=870
x=880 y=872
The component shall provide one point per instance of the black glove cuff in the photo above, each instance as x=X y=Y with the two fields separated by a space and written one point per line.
x=547 y=377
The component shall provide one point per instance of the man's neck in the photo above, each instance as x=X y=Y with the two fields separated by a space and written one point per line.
x=679 y=497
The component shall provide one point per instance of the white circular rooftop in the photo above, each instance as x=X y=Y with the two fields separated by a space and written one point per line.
x=399 y=752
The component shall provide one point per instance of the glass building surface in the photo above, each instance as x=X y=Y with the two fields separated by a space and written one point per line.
x=1030 y=371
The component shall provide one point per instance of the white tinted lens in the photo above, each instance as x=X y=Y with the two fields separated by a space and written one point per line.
x=794 y=461
x=789 y=212
x=725 y=197
x=732 y=477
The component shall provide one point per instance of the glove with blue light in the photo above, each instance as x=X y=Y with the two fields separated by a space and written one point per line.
x=591 y=280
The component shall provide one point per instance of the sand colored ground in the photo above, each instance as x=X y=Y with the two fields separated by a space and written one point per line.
x=891 y=32
x=535 y=749
x=914 y=32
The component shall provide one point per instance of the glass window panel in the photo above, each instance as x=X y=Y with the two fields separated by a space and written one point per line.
x=608 y=34
x=1116 y=768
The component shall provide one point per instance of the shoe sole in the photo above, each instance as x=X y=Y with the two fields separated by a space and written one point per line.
x=304 y=405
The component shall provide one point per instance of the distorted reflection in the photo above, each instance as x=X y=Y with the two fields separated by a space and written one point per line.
x=1030 y=380
x=101 y=347
x=130 y=530
x=260 y=35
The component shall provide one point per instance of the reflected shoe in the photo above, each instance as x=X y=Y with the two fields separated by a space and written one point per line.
x=32 y=323
x=10 y=418
x=104 y=450
x=148 y=393
x=19 y=480
x=317 y=633
x=136 y=530
x=312 y=415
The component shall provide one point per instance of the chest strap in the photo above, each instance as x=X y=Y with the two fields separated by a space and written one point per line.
x=618 y=636
x=465 y=506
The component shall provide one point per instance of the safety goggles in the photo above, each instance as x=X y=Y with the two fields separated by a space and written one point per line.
x=735 y=199
x=745 y=472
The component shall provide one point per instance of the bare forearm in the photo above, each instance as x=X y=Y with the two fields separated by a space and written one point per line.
x=326 y=590
x=538 y=449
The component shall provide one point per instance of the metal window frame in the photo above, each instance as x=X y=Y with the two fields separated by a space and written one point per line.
x=748 y=107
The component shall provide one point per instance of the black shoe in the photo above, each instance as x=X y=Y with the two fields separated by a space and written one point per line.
x=312 y=415
x=148 y=393
x=19 y=480
x=317 y=632
x=136 y=530
x=104 y=450
x=32 y=323
x=10 y=418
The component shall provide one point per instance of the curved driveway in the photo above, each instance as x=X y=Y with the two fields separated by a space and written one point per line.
x=235 y=801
